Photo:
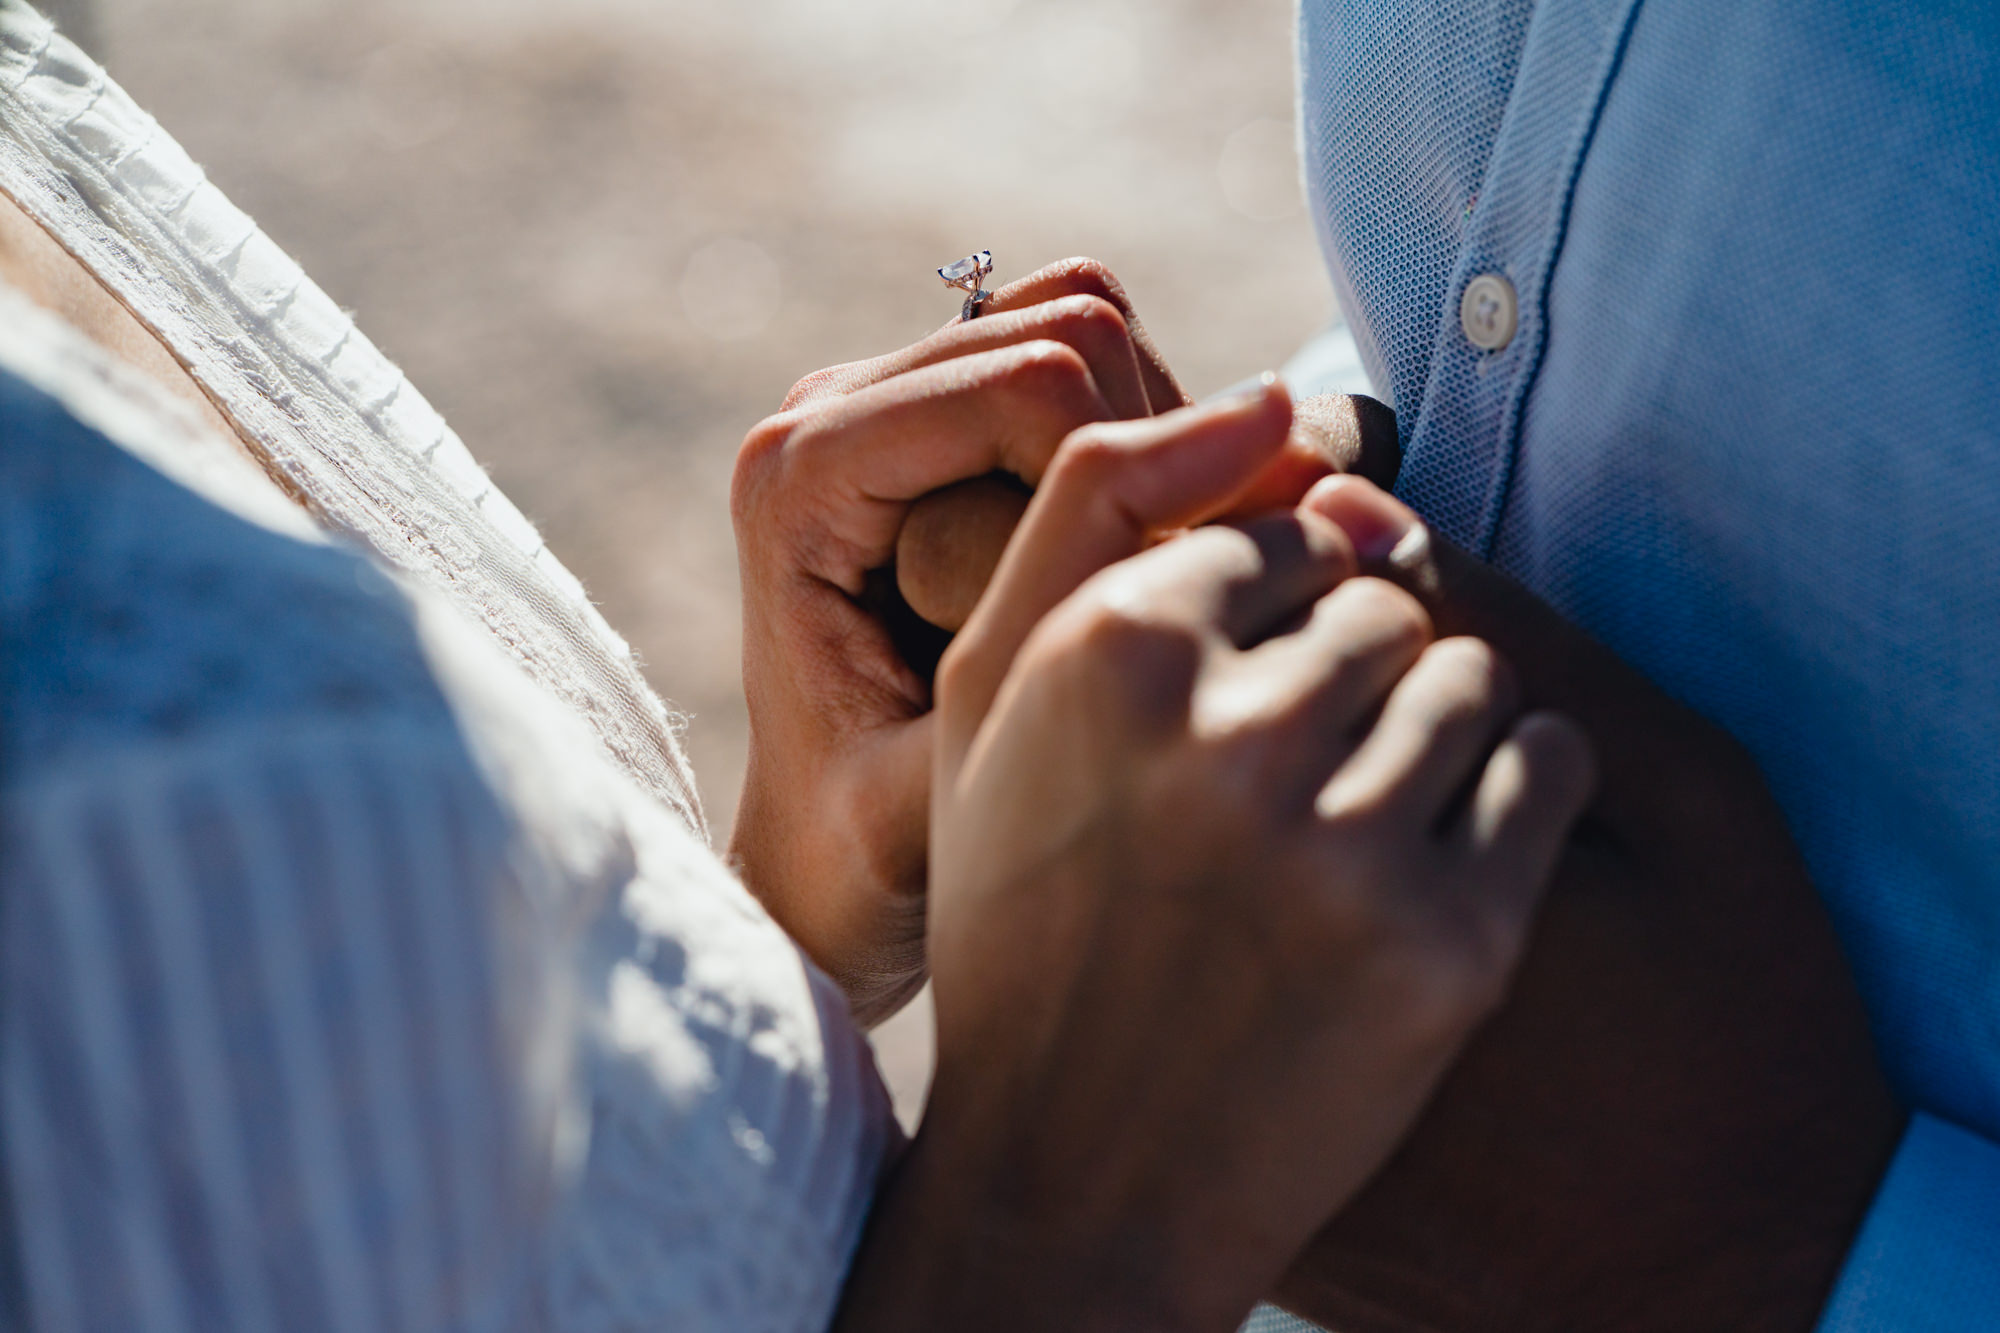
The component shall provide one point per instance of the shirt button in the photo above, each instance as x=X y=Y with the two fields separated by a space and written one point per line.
x=1489 y=312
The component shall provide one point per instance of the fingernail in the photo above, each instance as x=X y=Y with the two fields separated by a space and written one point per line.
x=1380 y=527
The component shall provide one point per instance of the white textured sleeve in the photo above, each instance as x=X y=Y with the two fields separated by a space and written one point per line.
x=253 y=1078
x=327 y=1030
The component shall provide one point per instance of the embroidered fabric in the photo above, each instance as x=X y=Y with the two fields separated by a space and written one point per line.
x=334 y=421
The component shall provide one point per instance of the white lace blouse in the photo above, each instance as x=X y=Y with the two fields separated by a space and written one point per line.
x=363 y=963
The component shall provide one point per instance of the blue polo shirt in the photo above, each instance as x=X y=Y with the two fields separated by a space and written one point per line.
x=1691 y=315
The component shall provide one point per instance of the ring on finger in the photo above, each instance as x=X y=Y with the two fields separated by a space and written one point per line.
x=969 y=275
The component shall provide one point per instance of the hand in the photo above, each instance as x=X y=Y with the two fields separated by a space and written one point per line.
x=1228 y=860
x=831 y=830
x=1678 y=1119
x=952 y=539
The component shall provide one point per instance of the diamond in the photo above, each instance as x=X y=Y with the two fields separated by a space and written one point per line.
x=972 y=269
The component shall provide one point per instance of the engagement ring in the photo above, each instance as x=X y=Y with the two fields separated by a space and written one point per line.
x=966 y=276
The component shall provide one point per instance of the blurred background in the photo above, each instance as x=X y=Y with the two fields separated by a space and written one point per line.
x=606 y=236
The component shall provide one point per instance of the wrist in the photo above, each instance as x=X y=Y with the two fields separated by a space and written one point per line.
x=951 y=1245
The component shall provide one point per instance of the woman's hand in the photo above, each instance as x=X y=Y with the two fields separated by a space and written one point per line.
x=1229 y=858
x=832 y=829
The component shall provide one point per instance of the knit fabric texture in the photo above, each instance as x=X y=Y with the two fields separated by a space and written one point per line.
x=1743 y=430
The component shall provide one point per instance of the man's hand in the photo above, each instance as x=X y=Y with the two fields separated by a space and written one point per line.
x=1228 y=858
x=1678 y=1119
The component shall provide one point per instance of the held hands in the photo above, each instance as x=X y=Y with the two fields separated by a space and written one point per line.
x=832 y=828
x=1229 y=858
x=1675 y=1122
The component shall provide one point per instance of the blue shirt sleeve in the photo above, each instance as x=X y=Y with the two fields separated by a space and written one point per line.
x=1928 y=1257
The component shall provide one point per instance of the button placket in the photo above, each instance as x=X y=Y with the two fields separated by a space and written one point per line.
x=1460 y=451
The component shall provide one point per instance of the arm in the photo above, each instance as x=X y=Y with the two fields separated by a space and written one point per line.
x=1679 y=1119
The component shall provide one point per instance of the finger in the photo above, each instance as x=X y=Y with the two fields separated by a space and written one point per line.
x=1387 y=534
x=1246 y=581
x=1339 y=433
x=1555 y=659
x=952 y=539
x=847 y=472
x=1235 y=586
x=1357 y=433
x=1087 y=277
x=951 y=543
x=1436 y=730
x=1112 y=488
x=1321 y=683
x=1091 y=325
x=1283 y=482
x=1534 y=789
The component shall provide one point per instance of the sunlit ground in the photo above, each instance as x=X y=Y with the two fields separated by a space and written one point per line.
x=606 y=235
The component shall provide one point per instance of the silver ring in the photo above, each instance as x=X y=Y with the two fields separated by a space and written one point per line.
x=966 y=276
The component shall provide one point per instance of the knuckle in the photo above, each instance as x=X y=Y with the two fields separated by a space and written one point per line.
x=1348 y=912
x=1119 y=653
x=825 y=383
x=1439 y=990
x=1111 y=628
x=758 y=459
x=1086 y=459
x=1083 y=275
x=1222 y=547
x=956 y=667
x=1472 y=950
x=1089 y=319
x=1398 y=619
x=1472 y=674
x=1438 y=996
x=1048 y=366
